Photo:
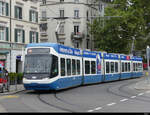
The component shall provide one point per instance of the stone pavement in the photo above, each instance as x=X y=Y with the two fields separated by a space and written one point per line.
x=14 y=89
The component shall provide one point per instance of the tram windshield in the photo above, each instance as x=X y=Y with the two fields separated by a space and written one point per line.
x=38 y=63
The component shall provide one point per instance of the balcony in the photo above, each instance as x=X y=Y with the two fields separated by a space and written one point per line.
x=43 y=34
x=77 y=36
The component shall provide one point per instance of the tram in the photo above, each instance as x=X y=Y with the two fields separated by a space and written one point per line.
x=51 y=66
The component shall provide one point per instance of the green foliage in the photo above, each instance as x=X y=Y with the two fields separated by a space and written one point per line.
x=127 y=20
x=15 y=76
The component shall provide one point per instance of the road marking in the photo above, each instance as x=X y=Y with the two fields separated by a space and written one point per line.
x=9 y=96
x=90 y=110
x=133 y=97
x=110 y=104
x=123 y=100
x=140 y=94
x=98 y=108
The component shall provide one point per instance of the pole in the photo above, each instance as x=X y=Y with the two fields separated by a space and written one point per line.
x=147 y=74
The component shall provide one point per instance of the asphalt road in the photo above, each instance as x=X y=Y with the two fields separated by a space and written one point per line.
x=120 y=96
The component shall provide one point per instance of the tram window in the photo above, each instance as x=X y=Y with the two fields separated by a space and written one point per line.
x=62 y=67
x=134 y=67
x=87 y=67
x=73 y=67
x=140 y=67
x=78 y=67
x=126 y=67
x=122 y=64
x=54 y=69
x=107 y=67
x=112 y=67
x=68 y=66
x=116 y=67
x=93 y=67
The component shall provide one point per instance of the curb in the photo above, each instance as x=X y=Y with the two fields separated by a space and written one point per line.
x=11 y=93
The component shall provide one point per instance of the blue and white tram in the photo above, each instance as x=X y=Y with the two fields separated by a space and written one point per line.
x=92 y=63
x=125 y=67
x=111 y=64
x=50 y=66
x=137 y=67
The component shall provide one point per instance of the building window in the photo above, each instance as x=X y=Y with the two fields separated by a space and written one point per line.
x=2 y=33
x=33 y=16
x=18 y=12
x=44 y=1
x=76 y=13
x=61 y=29
x=61 y=1
x=44 y=15
x=4 y=9
x=33 y=37
x=61 y=13
x=76 y=1
x=19 y=36
x=76 y=30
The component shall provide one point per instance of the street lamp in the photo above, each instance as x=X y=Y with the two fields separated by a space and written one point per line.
x=147 y=53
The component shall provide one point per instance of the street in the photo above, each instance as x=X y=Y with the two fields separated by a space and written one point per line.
x=120 y=96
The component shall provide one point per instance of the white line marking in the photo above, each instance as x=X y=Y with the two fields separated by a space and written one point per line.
x=140 y=94
x=123 y=100
x=90 y=110
x=98 y=108
x=133 y=97
x=110 y=104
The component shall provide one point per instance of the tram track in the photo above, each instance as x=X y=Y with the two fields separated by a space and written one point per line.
x=54 y=105
x=125 y=93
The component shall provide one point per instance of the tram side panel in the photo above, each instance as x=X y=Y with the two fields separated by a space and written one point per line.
x=111 y=63
x=125 y=65
x=92 y=67
x=137 y=69
x=70 y=74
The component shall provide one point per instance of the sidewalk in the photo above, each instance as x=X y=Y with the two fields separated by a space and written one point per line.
x=14 y=89
x=143 y=85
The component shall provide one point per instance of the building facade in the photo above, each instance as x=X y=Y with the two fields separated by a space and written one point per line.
x=66 y=21
x=18 y=27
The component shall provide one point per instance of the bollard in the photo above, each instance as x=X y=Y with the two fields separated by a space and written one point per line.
x=147 y=76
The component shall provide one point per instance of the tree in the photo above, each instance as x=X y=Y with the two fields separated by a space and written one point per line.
x=125 y=21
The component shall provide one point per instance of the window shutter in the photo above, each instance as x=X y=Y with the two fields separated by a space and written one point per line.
x=23 y=39
x=16 y=12
x=30 y=15
x=16 y=36
x=7 y=9
x=37 y=17
x=7 y=34
x=37 y=37
x=20 y=13
x=30 y=37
